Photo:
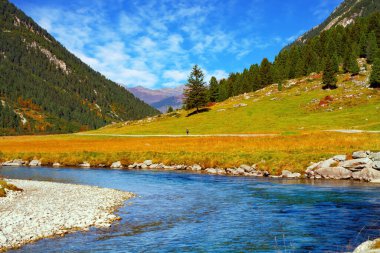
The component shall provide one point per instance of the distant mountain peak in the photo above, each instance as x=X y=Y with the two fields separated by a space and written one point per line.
x=161 y=99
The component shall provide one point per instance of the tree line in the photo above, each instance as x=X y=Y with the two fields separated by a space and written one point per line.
x=325 y=53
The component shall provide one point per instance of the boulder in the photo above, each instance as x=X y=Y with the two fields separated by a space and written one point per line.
x=246 y=167
x=143 y=166
x=368 y=247
x=232 y=171
x=375 y=156
x=16 y=162
x=196 y=167
x=154 y=166
x=334 y=173
x=367 y=174
x=148 y=162
x=312 y=167
x=56 y=164
x=240 y=171
x=327 y=163
x=340 y=158
x=220 y=171
x=376 y=165
x=359 y=154
x=180 y=167
x=35 y=163
x=85 y=165
x=211 y=171
x=356 y=164
x=289 y=174
x=240 y=105
x=116 y=165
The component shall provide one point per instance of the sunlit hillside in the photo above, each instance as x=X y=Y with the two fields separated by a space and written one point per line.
x=301 y=105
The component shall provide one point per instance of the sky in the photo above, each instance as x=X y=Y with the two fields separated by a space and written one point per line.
x=155 y=43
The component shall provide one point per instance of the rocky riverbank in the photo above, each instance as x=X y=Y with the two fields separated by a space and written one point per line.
x=360 y=165
x=45 y=209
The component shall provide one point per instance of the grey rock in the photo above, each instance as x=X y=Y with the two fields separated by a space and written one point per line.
x=16 y=162
x=85 y=165
x=340 y=158
x=211 y=171
x=376 y=165
x=144 y=166
x=327 y=163
x=334 y=173
x=367 y=174
x=232 y=171
x=154 y=166
x=375 y=156
x=289 y=174
x=359 y=154
x=356 y=164
x=35 y=163
x=196 y=167
x=246 y=167
x=148 y=162
x=312 y=167
x=240 y=171
x=368 y=247
x=180 y=167
x=221 y=171
x=56 y=164
x=116 y=165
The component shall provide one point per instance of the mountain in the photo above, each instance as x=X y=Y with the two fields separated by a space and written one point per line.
x=160 y=99
x=46 y=89
x=346 y=13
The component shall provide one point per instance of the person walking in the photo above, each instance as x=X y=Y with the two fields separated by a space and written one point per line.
x=187 y=131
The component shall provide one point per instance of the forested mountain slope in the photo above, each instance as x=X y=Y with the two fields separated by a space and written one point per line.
x=44 y=88
x=346 y=13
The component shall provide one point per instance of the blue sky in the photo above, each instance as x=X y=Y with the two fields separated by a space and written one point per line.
x=154 y=43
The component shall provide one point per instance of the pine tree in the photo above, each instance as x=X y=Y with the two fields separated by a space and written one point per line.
x=372 y=48
x=265 y=72
x=329 y=78
x=195 y=94
x=350 y=65
x=213 y=90
x=170 y=109
x=374 y=79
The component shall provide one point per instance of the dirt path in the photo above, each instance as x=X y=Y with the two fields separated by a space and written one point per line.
x=178 y=135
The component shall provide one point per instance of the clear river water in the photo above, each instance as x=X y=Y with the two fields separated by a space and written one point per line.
x=182 y=212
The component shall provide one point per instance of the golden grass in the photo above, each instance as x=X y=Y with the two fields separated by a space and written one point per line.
x=293 y=152
x=4 y=185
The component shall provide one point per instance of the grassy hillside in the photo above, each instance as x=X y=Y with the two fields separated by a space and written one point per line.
x=301 y=106
x=297 y=114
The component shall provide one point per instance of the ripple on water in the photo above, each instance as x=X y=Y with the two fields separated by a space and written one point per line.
x=181 y=212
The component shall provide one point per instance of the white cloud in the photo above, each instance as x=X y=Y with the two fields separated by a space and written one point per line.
x=149 y=43
x=219 y=74
x=175 y=75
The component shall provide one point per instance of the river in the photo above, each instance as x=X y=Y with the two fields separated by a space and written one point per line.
x=183 y=212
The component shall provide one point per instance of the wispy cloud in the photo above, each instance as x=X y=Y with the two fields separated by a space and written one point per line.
x=155 y=43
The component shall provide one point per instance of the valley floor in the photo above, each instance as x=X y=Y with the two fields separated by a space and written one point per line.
x=273 y=153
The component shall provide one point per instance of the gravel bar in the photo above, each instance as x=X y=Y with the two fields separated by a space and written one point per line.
x=46 y=209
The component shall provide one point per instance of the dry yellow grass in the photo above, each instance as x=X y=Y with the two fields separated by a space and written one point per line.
x=274 y=153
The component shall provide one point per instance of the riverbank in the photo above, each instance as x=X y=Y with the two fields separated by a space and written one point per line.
x=45 y=209
x=359 y=165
